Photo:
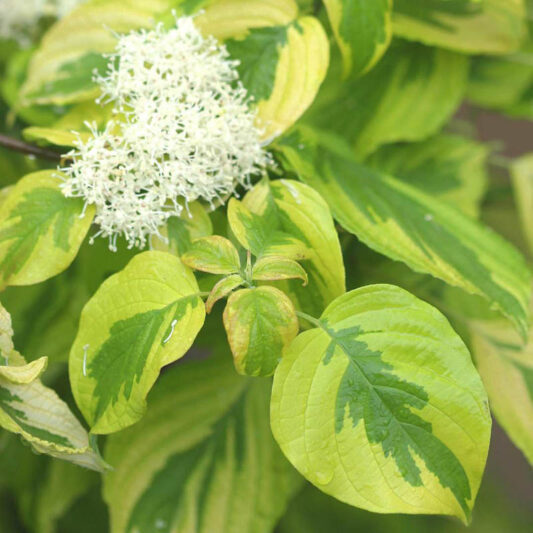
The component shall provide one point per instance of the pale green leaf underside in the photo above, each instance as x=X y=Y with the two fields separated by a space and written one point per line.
x=139 y=320
x=506 y=367
x=36 y=412
x=408 y=225
x=471 y=26
x=382 y=408
x=202 y=460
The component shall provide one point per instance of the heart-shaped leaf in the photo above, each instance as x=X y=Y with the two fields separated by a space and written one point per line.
x=381 y=406
x=139 y=320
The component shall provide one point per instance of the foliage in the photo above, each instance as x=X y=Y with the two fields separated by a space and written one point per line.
x=339 y=316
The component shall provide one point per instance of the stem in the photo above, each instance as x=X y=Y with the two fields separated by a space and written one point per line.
x=202 y=294
x=29 y=149
x=310 y=319
x=248 y=266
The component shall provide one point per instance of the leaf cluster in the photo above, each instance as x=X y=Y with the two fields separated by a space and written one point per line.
x=351 y=321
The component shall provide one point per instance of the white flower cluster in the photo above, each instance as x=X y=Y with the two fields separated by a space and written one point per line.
x=184 y=131
x=19 y=18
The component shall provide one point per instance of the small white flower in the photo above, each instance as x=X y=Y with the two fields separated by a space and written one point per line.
x=19 y=18
x=186 y=132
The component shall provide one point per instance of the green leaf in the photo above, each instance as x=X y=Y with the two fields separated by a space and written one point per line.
x=274 y=268
x=179 y=232
x=381 y=407
x=139 y=320
x=53 y=136
x=23 y=374
x=230 y=19
x=259 y=54
x=258 y=229
x=204 y=458
x=289 y=219
x=504 y=84
x=506 y=367
x=6 y=334
x=63 y=485
x=408 y=96
x=61 y=70
x=73 y=126
x=34 y=411
x=267 y=57
x=13 y=77
x=522 y=175
x=363 y=31
x=40 y=229
x=222 y=288
x=448 y=167
x=37 y=414
x=471 y=26
x=14 y=165
x=260 y=323
x=47 y=314
x=408 y=225
x=214 y=254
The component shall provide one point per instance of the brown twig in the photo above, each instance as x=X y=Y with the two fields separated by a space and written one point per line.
x=29 y=149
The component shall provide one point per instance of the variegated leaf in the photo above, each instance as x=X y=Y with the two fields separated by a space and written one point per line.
x=206 y=430
x=61 y=71
x=40 y=229
x=504 y=83
x=408 y=225
x=260 y=232
x=448 y=167
x=471 y=26
x=34 y=411
x=222 y=288
x=408 y=96
x=363 y=29
x=267 y=55
x=287 y=218
x=506 y=367
x=73 y=126
x=179 y=232
x=214 y=254
x=381 y=406
x=62 y=486
x=53 y=136
x=260 y=323
x=522 y=175
x=268 y=34
x=275 y=268
x=139 y=320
